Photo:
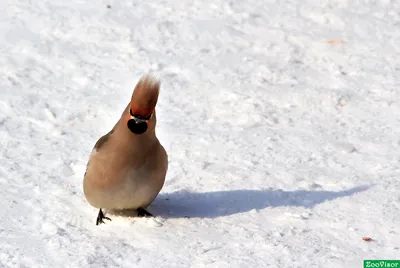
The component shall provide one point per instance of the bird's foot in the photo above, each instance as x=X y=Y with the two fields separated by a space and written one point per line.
x=141 y=212
x=100 y=218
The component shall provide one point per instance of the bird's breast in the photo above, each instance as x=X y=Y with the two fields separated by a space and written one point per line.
x=119 y=182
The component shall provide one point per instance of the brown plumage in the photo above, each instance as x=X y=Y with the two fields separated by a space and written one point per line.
x=128 y=165
x=145 y=96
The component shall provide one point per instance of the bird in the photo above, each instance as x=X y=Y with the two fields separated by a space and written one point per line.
x=127 y=166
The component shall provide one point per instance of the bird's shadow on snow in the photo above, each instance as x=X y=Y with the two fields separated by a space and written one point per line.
x=182 y=204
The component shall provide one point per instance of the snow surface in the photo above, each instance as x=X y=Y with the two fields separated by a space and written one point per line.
x=281 y=120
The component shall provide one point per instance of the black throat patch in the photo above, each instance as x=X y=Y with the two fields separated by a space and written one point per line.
x=138 y=124
x=137 y=127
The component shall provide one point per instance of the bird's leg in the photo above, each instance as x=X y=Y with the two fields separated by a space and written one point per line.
x=100 y=218
x=141 y=212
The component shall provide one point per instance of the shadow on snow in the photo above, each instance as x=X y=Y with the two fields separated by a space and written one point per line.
x=224 y=203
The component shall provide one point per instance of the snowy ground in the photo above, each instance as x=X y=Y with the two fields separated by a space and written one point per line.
x=281 y=120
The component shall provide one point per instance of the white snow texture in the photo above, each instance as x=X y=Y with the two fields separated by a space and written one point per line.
x=280 y=118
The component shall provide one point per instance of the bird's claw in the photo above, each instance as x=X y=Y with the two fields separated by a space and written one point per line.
x=100 y=218
x=141 y=212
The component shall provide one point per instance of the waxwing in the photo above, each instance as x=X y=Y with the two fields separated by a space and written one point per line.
x=128 y=165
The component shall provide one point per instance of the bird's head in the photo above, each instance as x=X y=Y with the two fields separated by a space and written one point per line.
x=141 y=115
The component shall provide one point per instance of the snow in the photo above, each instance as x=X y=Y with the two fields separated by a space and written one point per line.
x=279 y=118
